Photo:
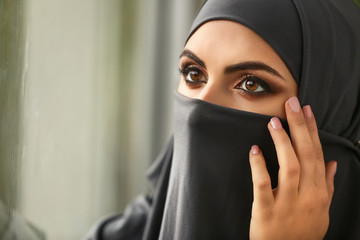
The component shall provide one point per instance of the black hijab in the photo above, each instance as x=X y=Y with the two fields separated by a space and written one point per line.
x=202 y=181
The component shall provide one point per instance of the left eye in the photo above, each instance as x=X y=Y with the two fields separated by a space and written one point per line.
x=252 y=84
x=194 y=76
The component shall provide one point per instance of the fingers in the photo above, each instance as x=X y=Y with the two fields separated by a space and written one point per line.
x=302 y=141
x=289 y=171
x=263 y=195
x=301 y=160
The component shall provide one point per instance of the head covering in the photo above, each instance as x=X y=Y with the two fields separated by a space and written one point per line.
x=203 y=184
x=277 y=22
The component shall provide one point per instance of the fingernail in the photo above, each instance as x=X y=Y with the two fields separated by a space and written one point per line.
x=335 y=167
x=255 y=149
x=275 y=123
x=307 y=112
x=294 y=104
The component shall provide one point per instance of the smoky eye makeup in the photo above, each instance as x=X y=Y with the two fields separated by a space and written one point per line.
x=257 y=81
x=192 y=75
x=250 y=84
x=247 y=82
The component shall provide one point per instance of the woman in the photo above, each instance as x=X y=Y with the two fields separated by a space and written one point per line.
x=242 y=67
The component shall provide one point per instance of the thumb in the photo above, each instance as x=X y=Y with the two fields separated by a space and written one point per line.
x=331 y=168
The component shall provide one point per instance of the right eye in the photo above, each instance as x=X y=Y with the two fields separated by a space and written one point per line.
x=193 y=75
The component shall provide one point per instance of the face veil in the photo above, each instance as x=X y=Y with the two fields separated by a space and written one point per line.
x=210 y=189
x=203 y=186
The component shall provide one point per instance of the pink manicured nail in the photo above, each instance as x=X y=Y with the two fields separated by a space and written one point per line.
x=294 y=104
x=275 y=123
x=307 y=112
x=255 y=149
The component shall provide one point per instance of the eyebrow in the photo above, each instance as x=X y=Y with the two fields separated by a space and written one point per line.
x=193 y=56
x=249 y=65
x=252 y=66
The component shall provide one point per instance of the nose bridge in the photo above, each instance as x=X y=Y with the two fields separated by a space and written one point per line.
x=213 y=92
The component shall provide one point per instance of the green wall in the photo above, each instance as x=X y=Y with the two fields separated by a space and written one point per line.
x=11 y=82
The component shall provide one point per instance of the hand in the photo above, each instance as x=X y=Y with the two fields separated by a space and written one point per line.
x=299 y=207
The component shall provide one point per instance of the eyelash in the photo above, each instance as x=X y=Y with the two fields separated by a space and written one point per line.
x=186 y=69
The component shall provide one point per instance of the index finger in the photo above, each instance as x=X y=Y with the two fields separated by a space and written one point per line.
x=302 y=142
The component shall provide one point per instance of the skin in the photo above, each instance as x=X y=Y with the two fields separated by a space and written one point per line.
x=215 y=68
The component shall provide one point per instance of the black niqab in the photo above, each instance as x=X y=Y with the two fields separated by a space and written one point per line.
x=210 y=189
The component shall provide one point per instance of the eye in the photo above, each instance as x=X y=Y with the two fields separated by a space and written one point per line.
x=193 y=75
x=253 y=85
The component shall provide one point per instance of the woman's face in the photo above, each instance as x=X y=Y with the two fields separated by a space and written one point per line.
x=228 y=64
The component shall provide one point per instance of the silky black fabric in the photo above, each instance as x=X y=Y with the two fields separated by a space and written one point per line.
x=330 y=76
x=210 y=189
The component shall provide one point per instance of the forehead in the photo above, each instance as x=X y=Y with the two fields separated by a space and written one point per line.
x=223 y=42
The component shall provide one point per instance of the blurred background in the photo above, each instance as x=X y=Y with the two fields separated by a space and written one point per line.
x=86 y=91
